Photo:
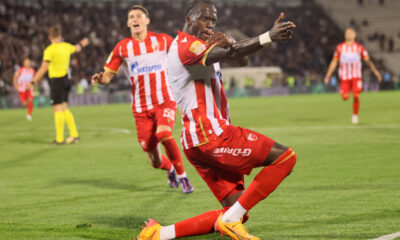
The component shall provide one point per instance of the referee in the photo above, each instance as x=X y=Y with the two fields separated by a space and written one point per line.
x=56 y=58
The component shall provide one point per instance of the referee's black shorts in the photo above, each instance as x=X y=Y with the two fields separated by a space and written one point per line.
x=59 y=90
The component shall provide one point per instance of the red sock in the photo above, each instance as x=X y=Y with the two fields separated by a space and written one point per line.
x=172 y=150
x=30 y=107
x=165 y=163
x=268 y=179
x=199 y=225
x=356 y=105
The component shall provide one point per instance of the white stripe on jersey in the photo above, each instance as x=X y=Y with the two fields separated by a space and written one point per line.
x=210 y=108
x=143 y=49
x=170 y=94
x=147 y=91
x=137 y=95
x=184 y=141
x=192 y=127
x=160 y=97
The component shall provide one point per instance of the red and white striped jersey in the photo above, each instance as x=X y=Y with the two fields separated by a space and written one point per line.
x=25 y=76
x=350 y=57
x=146 y=67
x=198 y=90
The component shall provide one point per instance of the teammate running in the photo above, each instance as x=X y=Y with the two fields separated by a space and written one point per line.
x=23 y=83
x=56 y=59
x=221 y=153
x=350 y=53
x=144 y=54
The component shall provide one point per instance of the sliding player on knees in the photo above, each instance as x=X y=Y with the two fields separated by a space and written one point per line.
x=221 y=153
x=153 y=104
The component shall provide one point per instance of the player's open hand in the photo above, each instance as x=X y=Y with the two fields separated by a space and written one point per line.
x=96 y=78
x=281 y=31
x=84 y=42
x=378 y=76
x=326 y=80
x=221 y=39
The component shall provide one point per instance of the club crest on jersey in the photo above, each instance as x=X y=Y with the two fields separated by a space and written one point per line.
x=156 y=46
x=197 y=47
x=232 y=151
x=252 y=137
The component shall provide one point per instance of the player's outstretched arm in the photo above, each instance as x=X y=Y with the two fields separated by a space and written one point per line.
x=15 y=79
x=331 y=69
x=41 y=72
x=102 y=77
x=225 y=50
x=374 y=69
x=82 y=44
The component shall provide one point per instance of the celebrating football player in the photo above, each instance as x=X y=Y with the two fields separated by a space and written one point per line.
x=221 y=153
x=144 y=54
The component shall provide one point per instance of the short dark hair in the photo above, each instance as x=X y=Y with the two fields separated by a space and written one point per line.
x=190 y=6
x=139 y=7
x=54 y=32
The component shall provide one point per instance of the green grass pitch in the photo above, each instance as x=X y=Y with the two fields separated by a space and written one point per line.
x=346 y=184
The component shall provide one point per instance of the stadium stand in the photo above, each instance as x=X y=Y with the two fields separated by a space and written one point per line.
x=24 y=24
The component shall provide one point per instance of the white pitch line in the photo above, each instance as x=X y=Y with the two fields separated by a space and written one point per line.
x=388 y=237
x=324 y=127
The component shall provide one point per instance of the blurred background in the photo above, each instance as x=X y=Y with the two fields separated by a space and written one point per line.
x=295 y=67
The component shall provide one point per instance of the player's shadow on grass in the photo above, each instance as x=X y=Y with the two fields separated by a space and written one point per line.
x=100 y=183
x=21 y=159
x=127 y=222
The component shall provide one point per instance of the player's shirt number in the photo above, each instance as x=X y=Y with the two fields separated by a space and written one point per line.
x=169 y=113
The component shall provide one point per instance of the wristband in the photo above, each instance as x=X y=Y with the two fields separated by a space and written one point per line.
x=265 y=39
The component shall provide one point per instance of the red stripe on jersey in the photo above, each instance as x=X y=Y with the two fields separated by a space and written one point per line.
x=164 y=87
x=186 y=125
x=149 y=47
x=141 y=89
x=124 y=49
x=200 y=126
x=224 y=104
x=161 y=41
x=136 y=48
x=153 y=88
x=133 y=94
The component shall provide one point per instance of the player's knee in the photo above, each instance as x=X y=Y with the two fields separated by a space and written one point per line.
x=345 y=97
x=155 y=164
x=154 y=159
x=287 y=160
x=163 y=136
x=275 y=152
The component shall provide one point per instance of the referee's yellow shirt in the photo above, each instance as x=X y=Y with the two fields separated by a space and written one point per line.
x=58 y=55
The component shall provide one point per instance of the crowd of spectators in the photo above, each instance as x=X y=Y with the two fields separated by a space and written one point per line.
x=24 y=25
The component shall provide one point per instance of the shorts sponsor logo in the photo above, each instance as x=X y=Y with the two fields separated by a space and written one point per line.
x=233 y=151
x=252 y=137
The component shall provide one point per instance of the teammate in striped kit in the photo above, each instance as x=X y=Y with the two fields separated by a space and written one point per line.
x=349 y=53
x=144 y=59
x=221 y=153
x=23 y=83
